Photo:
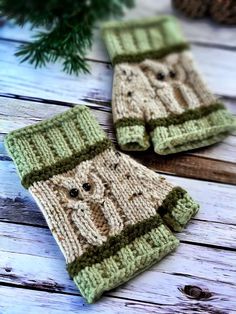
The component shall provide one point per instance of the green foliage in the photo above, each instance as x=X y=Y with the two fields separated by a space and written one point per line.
x=68 y=28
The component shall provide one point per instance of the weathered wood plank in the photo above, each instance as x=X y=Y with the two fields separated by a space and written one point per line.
x=218 y=67
x=198 y=31
x=190 y=166
x=217 y=206
x=29 y=256
x=18 y=113
x=217 y=201
x=33 y=302
x=19 y=238
x=207 y=268
x=223 y=151
x=18 y=206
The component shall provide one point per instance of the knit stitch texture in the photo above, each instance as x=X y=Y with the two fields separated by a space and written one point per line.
x=159 y=97
x=105 y=210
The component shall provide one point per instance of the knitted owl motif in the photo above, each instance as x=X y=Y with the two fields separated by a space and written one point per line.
x=157 y=88
x=159 y=98
x=92 y=211
x=90 y=195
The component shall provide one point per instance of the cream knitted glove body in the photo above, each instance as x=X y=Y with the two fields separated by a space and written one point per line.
x=158 y=94
x=103 y=208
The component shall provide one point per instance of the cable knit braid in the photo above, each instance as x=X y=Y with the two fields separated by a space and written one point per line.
x=192 y=8
x=222 y=11
x=105 y=210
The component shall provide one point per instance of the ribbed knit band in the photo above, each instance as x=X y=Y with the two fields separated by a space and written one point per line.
x=56 y=145
x=126 y=263
x=133 y=41
x=192 y=133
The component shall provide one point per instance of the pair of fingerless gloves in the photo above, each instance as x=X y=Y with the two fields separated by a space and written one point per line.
x=110 y=215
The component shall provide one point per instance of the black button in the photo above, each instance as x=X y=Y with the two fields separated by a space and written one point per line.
x=74 y=192
x=129 y=94
x=86 y=187
x=160 y=76
x=172 y=74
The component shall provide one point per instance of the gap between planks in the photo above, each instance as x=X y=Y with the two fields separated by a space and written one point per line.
x=217 y=65
x=203 y=31
x=57 y=303
x=215 y=163
x=165 y=280
x=207 y=227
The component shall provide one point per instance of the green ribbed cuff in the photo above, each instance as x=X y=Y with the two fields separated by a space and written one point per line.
x=190 y=134
x=177 y=209
x=126 y=263
x=133 y=41
x=132 y=137
x=56 y=145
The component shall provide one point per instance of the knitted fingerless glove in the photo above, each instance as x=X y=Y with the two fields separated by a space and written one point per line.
x=101 y=206
x=158 y=91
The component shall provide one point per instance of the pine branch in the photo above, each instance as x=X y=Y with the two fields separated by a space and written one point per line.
x=69 y=28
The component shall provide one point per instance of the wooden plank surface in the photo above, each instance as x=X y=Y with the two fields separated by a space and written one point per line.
x=197 y=31
x=39 y=302
x=199 y=277
x=18 y=206
x=39 y=268
x=208 y=227
x=32 y=302
x=53 y=84
x=217 y=163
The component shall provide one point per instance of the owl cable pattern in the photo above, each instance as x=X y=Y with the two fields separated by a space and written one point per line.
x=109 y=215
x=158 y=93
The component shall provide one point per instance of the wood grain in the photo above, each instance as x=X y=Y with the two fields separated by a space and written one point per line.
x=202 y=31
x=37 y=301
x=41 y=266
x=18 y=207
x=217 y=163
x=190 y=166
x=23 y=79
x=199 y=277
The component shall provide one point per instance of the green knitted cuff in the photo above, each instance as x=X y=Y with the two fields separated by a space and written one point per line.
x=136 y=40
x=132 y=137
x=56 y=145
x=178 y=208
x=131 y=259
x=190 y=133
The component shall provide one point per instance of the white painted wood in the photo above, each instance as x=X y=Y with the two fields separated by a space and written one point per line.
x=37 y=302
x=218 y=66
x=207 y=268
x=20 y=113
x=217 y=205
x=201 y=31
x=29 y=256
x=225 y=150
x=18 y=238
x=217 y=201
x=21 y=301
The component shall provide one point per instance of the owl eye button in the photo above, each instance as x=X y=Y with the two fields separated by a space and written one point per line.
x=74 y=192
x=172 y=74
x=86 y=187
x=160 y=76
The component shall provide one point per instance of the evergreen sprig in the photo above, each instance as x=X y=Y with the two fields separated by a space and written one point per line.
x=68 y=28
